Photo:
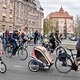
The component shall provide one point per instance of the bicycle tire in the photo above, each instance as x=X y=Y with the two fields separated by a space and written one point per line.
x=20 y=54
x=8 y=51
x=1 y=68
x=33 y=65
x=60 y=49
x=63 y=68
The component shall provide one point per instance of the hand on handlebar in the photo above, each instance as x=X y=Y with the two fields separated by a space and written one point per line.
x=16 y=40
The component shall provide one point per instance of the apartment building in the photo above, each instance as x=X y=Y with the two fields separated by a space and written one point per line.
x=21 y=15
x=6 y=15
x=62 y=21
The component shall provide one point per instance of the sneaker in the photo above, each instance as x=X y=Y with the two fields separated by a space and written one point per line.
x=46 y=67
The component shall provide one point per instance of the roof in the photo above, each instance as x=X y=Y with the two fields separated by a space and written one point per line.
x=60 y=14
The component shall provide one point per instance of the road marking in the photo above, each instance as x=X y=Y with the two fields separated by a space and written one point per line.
x=18 y=66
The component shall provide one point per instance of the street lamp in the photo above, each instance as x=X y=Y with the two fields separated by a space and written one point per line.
x=65 y=29
x=13 y=13
x=57 y=28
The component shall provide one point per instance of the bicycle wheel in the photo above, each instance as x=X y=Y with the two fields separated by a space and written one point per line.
x=22 y=53
x=8 y=51
x=63 y=66
x=33 y=65
x=60 y=49
x=3 y=67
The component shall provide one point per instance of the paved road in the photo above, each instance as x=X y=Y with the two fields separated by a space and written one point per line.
x=18 y=70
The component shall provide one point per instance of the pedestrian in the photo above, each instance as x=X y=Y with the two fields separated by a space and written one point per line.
x=35 y=37
x=5 y=38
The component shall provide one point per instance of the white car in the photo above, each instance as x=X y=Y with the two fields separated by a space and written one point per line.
x=73 y=39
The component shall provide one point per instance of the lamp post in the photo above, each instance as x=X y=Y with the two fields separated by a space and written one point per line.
x=65 y=29
x=57 y=28
x=13 y=14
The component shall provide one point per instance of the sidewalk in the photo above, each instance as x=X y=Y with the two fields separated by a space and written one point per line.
x=69 y=44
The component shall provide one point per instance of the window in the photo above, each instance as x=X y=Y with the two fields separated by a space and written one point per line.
x=11 y=11
x=3 y=27
x=4 y=10
x=3 y=18
x=10 y=28
x=10 y=19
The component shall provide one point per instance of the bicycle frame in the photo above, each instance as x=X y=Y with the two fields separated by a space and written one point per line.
x=74 y=65
x=66 y=61
x=72 y=55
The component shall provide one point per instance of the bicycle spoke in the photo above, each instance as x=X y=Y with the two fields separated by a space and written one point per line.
x=63 y=66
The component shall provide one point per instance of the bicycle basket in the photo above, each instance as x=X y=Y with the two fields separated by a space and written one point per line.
x=62 y=57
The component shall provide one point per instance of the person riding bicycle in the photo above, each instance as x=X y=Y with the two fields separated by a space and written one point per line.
x=78 y=52
x=13 y=41
x=57 y=37
x=52 y=41
x=24 y=38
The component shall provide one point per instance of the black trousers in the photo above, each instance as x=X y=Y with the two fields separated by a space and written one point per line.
x=78 y=54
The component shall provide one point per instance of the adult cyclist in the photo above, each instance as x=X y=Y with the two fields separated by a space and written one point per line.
x=13 y=41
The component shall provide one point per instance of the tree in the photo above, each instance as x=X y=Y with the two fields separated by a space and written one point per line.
x=47 y=27
x=77 y=26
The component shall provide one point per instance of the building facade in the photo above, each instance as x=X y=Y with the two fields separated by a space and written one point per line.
x=6 y=15
x=21 y=15
x=62 y=21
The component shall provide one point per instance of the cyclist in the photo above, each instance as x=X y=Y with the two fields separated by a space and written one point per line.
x=57 y=37
x=23 y=38
x=52 y=41
x=5 y=38
x=13 y=41
x=78 y=51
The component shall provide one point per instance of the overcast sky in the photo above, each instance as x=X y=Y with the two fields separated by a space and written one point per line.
x=72 y=6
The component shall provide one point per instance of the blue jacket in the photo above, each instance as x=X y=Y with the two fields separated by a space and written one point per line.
x=13 y=37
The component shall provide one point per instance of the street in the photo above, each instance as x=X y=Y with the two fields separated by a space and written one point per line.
x=18 y=70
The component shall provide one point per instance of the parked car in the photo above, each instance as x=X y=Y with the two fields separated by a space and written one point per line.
x=73 y=38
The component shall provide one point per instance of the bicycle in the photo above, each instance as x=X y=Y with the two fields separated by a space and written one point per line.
x=58 y=47
x=22 y=51
x=3 y=67
x=65 y=62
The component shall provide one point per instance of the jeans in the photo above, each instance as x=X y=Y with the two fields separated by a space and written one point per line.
x=15 y=47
